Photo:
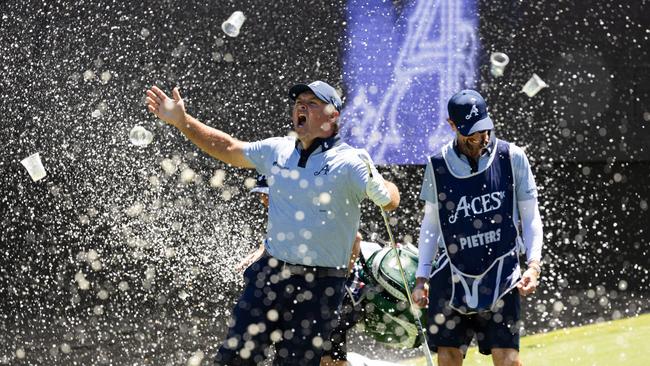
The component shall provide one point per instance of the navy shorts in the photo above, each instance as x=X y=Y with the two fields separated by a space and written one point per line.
x=294 y=313
x=350 y=315
x=449 y=328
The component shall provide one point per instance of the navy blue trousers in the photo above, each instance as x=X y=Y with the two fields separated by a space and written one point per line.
x=295 y=313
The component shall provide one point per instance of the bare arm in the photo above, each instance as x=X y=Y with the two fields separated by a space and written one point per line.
x=356 y=249
x=250 y=258
x=214 y=142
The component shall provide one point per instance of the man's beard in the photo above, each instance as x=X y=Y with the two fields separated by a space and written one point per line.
x=473 y=147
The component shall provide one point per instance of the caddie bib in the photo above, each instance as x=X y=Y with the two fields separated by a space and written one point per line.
x=476 y=214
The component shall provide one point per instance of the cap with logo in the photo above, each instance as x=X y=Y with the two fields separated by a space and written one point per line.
x=321 y=90
x=261 y=186
x=468 y=110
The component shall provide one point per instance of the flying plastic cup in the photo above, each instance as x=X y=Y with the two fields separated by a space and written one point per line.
x=534 y=85
x=139 y=136
x=498 y=62
x=233 y=24
x=34 y=167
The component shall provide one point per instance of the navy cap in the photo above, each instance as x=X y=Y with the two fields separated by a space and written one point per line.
x=261 y=186
x=321 y=90
x=468 y=110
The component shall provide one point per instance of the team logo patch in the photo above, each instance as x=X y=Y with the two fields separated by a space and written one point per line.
x=323 y=171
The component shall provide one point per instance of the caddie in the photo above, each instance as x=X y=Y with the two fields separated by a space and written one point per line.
x=480 y=202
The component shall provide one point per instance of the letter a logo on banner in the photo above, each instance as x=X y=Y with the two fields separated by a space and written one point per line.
x=397 y=112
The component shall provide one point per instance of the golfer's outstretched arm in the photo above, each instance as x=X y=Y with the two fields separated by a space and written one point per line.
x=214 y=142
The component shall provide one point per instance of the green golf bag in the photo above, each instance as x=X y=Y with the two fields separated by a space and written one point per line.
x=387 y=317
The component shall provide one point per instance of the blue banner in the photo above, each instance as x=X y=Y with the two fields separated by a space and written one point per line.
x=403 y=60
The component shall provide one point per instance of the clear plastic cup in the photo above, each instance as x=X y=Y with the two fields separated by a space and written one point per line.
x=139 y=136
x=534 y=85
x=34 y=167
x=498 y=62
x=232 y=26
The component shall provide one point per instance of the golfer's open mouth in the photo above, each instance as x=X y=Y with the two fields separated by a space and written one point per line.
x=302 y=119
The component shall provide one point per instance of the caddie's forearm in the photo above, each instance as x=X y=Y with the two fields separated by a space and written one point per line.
x=428 y=240
x=214 y=142
x=394 y=196
x=532 y=231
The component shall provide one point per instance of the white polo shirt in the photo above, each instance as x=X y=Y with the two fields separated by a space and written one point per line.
x=314 y=202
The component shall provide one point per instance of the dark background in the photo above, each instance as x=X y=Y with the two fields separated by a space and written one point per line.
x=587 y=137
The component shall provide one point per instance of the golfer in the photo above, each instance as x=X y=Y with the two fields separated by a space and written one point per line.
x=316 y=185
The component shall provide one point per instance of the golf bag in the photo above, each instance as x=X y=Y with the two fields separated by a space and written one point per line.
x=387 y=317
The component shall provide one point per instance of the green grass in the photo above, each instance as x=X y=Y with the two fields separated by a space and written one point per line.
x=620 y=342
